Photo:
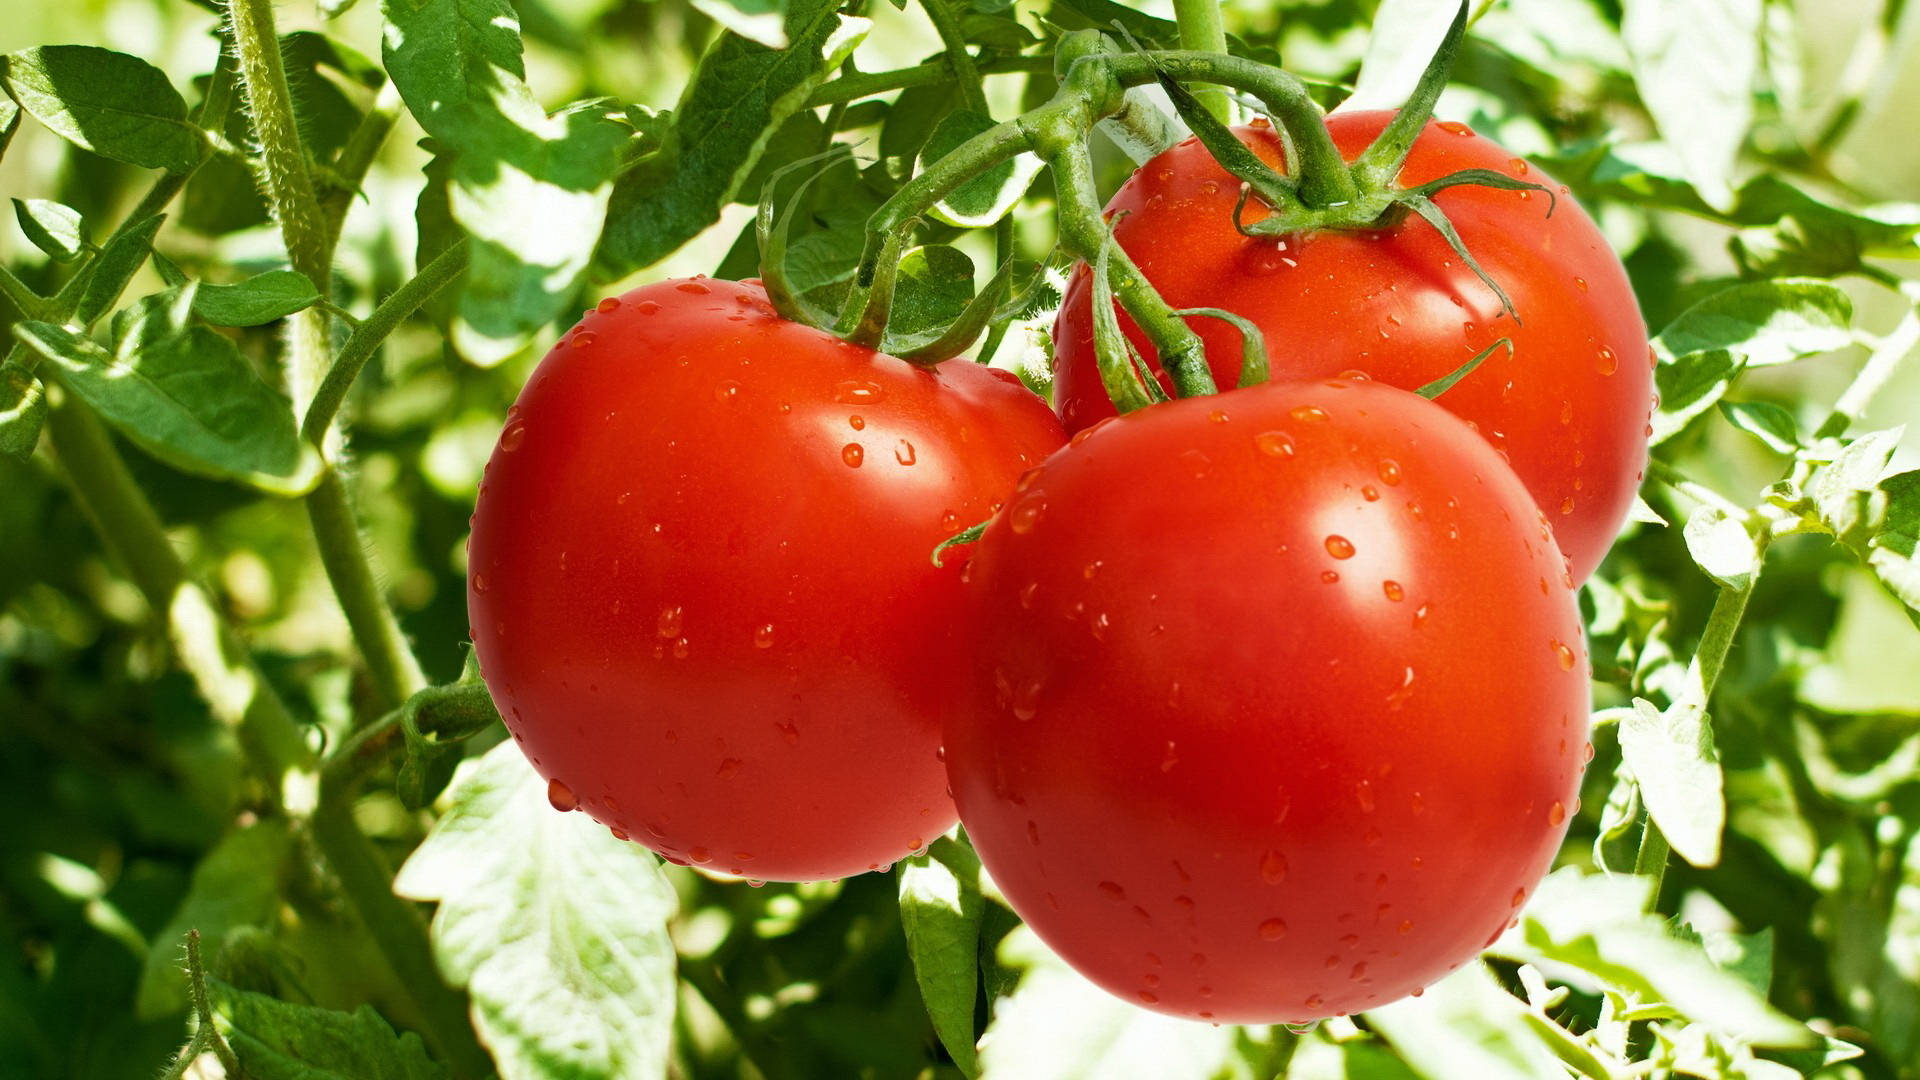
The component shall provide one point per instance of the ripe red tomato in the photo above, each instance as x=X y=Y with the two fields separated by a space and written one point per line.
x=1278 y=701
x=1568 y=406
x=700 y=586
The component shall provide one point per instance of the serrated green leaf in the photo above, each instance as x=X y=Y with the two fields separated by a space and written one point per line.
x=1721 y=547
x=23 y=410
x=1465 y=1025
x=1689 y=386
x=1058 y=1026
x=530 y=897
x=184 y=394
x=934 y=284
x=1763 y=322
x=988 y=197
x=1694 y=63
x=109 y=272
x=761 y=21
x=1597 y=924
x=1846 y=491
x=9 y=123
x=1617 y=843
x=278 y=1040
x=1765 y=421
x=237 y=884
x=940 y=909
x=1674 y=761
x=740 y=93
x=52 y=227
x=1894 y=549
x=531 y=190
x=115 y=105
x=256 y=301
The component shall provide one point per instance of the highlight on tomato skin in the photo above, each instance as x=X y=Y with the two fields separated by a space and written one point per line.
x=1568 y=405
x=699 y=578
x=1277 y=702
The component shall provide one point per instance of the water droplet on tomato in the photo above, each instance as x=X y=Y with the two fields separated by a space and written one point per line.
x=728 y=768
x=1363 y=794
x=1099 y=625
x=561 y=797
x=1026 y=700
x=1329 y=577
x=858 y=392
x=1274 y=444
x=1395 y=592
x=903 y=452
x=1112 y=890
x=681 y=649
x=512 y=436
x=763 y=636
x=693 y=287
x=1148 y=996
x=617 y=834
x=1519 y=897
x=582 y=339
x=1339 y=547
x=1026 y=513
x=1556 y=813
x=1402 y=692
x=857 y=422
x=670 y=620
x=479 y=585
x=853 y=455
x=611 y=303
x=727 y=391
x=1563 y=653
x=1454 y=127
x=1196 y=463
x=1273 y=929
x=1273 y=868
x=1308 y=414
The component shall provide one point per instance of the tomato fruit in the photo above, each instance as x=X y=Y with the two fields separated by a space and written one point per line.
x=1278 y=701
x=700 y=584
x=1568 y=406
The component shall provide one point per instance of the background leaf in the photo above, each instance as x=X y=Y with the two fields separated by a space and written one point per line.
x=115 y=105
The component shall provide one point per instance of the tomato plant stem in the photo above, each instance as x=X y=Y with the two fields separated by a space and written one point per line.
x=866 y=84
x=1882 y=364
x=946 y=22
x=30 y=304
x=372 y=331
x=206 y=646
x=1201 y=31
x=390 y=662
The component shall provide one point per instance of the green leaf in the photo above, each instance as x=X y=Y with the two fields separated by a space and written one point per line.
x=1598 y=924
x=932 y=289
x=1765 y=421
x=940 y=908
x=1058 y=1026
x=1674 y=761
x=740 y=93
x=184 y=394
x=1695 y=62
x=109 y=272
x=23 y=409
x=1846 y=491
x=115 y=105
x=988 y=197
x=237 y=884
x=1405 y=35
x=1689 y=386
x=277 y=1040
x=531 y=190
x=1763 y=322
x=532 y=898
x=52 y=227
x=761 y=21
x=9 y=122
x=1466 y=1026
x=1894 y=550
x=1722 y=547
x=256 y=301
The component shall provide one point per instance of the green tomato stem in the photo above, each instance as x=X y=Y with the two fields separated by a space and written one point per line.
x=946 y=23
x=205 y=645
x=1202 y=31
x=356 y=157
x=289 y=188
x=372 y=331
x=1881 y=366
x=390 y=662
x=867 y=84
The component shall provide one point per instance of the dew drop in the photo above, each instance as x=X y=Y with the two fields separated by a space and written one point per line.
x=1402 y=692
x=1389 y=472
x=763 y=636
x=1370 y=493
x=1314 y=1001
x=727 y=769
x=693 y=287
x=1607 y=363
x=1148 y=996
x=582 y=339
x=681 y=649
x=1363 y=794
x=479 y=583
x=1273 y=868
x=561 y=797
x=669 y=622
x=1393 y=590
x=611 y=303
x=700 y=855
x=1519 y=897
x=1274 y=444
x=1308 y=414
x=1358 y=972
x=1033 y=833
x=1564 y=653
x=1339 y=547
x=1273 y=930
x=1112 y=890
x=646 y=307
x=903 y=452
x=857 y=422
x=1026 y=514
x=1580 y=283
x=1027 y=592
x=1026 y=700
x=617 y=834
x=511 y=438
x=1454 y=127
x=727 y=391
x=1196 y=463
x=1556 y=813
x=858 y=392
x=1329 y=577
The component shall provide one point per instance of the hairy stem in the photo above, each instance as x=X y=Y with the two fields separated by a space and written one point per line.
x=1201 y=31
x=372 y=331
x=867 y=84
x=390 y=661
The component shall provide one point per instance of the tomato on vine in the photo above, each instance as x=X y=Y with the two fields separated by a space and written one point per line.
x=1567 y=405
x=700 y=588
x=1277 y=701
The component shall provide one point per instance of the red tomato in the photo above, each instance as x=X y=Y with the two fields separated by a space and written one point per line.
x=1568 y=406
x=700 y=585
x=1278 y=701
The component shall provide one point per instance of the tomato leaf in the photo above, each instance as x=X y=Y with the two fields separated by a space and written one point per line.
x=931 y=289
x=237 y=884
x=988 y=197
x=23 y=410
x=109 y=272
x=1722 y=547
x=741 y=92
x=1598 y=924
x=1694 y=62
x=115 y=105
x=9 y=122
x=276 y=1040
x=1466 y=1025
x=1894 y=550
x=1846 y=491
x=52 y=227
x=940 y=907
x=1765 y=421
x=1763 y=322
x=1673 y=759
x=182 y=393
x=762 y=21
x=1405 y=35
x=598 y=948
x=1058 y=1026
x=531 y=190
x=256 y=301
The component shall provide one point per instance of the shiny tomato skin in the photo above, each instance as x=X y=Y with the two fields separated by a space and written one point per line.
x=699 y=578
x=1278 y=701
x=1569 y=406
